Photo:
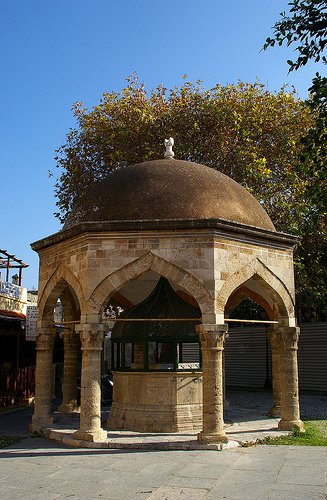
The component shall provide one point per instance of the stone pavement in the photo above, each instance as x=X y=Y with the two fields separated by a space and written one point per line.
x=40 y=468
x=45 y=469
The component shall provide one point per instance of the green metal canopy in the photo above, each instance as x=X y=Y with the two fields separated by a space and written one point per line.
x=162 y=303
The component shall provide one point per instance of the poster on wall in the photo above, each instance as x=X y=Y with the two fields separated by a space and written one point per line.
x=31 y=320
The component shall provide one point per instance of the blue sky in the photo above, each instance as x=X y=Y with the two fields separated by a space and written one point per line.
x=56 y=53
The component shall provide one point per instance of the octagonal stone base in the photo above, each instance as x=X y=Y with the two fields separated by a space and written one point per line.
x=156 y=402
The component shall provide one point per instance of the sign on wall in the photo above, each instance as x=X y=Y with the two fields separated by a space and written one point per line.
x=31 y=320
x=10 y=290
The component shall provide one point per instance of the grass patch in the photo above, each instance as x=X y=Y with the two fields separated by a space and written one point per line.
x=9 y=440
x=6 y=441
x=315 y=435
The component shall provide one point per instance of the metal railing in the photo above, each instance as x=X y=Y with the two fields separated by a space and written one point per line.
x=17 y=386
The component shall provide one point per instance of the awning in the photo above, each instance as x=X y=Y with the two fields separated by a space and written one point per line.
x=12 y=315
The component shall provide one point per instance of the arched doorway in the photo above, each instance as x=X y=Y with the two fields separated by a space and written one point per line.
x=59 y=311
x=278 y=306
x=156 y=358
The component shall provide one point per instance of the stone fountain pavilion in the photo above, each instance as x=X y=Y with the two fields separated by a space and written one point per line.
x=176 y=245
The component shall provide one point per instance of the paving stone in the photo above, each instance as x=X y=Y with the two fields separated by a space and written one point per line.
x=192 y=482
x=259 y=461
x=208 y=471
x=23 y=493
x=175 y=493
x=311 y=493
x=243 y=485
x=302 y=475
x=40 y=468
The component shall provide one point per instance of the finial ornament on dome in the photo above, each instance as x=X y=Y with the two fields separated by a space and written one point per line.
x=169 y=148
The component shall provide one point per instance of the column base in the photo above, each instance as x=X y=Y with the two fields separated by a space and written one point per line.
x=276 y=411
x=69 y=408
x=217 y=437
x=93 y=436
x=289 y=425
x=38 y=421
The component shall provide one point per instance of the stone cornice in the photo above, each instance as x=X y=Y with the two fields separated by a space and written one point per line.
x=224 y=226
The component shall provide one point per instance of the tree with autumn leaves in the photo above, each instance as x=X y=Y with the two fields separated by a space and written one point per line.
x=305 y=28
x=243 y=130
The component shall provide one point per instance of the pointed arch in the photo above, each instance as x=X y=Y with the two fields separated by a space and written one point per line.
x=55 y=286
x=151 y=262
x=240 y=293
x=273 y=285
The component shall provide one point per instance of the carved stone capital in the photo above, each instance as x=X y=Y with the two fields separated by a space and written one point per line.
x=44 y=338
x=92 y=335
x=289 y=337
x=212 y=336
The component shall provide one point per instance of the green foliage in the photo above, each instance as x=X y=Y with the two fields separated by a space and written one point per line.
x=306 y=27
x=314 y=151
x=315 y=435
x=247 y=309
x=6 y=441
x=311 y=271
x=242 y=130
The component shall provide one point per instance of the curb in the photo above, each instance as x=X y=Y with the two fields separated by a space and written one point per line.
x=110 y=444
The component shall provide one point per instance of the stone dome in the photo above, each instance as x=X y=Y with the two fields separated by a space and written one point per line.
x=168 y=189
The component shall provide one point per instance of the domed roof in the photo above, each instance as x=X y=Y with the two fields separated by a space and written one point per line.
x=168 y=189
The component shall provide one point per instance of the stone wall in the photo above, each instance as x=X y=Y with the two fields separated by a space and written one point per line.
x=156 y=402
x=208 y=265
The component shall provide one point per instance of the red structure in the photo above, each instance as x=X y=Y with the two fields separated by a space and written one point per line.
x=17 y=376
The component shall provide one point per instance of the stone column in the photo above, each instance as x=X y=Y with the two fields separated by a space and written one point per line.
x=226 y=403
x=90 y=417
x=276 y=409
x=71 y=345
x=42 y=417
x=288 y=339
x=212 y=339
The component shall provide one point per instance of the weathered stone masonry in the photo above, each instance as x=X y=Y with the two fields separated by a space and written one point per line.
x=208 y=257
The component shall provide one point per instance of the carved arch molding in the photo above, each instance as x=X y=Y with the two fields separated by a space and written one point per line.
x=58 y=286
x=271 y=283
x=257 y=270
x=151 y=262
